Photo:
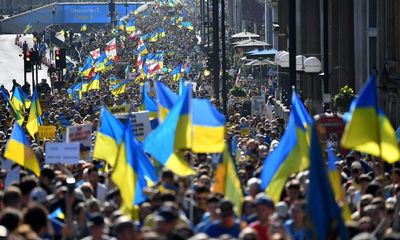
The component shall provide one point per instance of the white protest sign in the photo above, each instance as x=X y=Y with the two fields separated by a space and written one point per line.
x=66 y=153
x=140 y=123
x=257 y=105
x=83 y=135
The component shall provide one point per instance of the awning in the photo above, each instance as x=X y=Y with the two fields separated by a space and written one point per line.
x=245 y=35
x=253 y=43
x=264 y=52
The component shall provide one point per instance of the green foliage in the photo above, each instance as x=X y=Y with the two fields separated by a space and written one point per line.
x=343 y=99
x=237 y=92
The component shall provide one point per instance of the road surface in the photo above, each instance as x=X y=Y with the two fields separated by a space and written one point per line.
x=12 y=65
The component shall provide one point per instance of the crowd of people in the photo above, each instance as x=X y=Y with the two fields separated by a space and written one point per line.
x=53 y=207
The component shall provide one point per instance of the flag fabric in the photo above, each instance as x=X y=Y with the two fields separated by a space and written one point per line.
x=109 y=136
x=161 y=31
x=61 y=35
x=292 y=153
x=87 y=67
x=187 y=25
x=173 y=135
x=35 y=113
x=130 y=26
x=94 y=83
x=208 y=124
x=18 y=115
x=323 y=211
x=19 y=150
x=75 y=91
x=18 y=99
x=336 y=183
x=149 y=104
x=227 y=180
x=111 y=49
x=84 y=28
x=27 y=28
x=57 y=218
x=95 y=53
x=181 y=86
x=141 y=50
x=118 y=88
x=133 y=171
x=153 y=37
x=99 y=63
x=120 y=25
x=380 y=139
x=176 y=73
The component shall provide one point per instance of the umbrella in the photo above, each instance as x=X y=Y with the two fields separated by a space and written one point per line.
x=253 y=43
x=257 y=62
x=245 y=35
x=264 y=52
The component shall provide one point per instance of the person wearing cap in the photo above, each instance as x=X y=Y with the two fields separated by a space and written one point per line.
x=226 y=224
x=264 y=209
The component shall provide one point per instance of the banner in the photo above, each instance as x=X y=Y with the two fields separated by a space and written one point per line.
x=119 y=109
x=65 y=153
x=257 y=105
x=140 y=123
x=47 y=132
x=83 y=135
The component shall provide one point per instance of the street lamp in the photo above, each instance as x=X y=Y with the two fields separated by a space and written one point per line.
x=53 y=11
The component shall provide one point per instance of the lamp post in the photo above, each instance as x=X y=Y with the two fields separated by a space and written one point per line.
x=126 y=8
x=53 y=12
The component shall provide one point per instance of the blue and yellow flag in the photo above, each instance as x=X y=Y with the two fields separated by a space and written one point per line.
x=176 y=73
x=227 y=181
x=149 y=104
x=367 y=129
x=75 y=91
x=208 y=124
x=19 y=150
x=181 y=86
x=336 y=183
x=154 y=37
x=120 y=25
x=292 y=153
x=20 y=100
x=94 y=84
x=118 y=88
x=34 y=118
x=133 y=171
x=18 y=114
x=323 y=211
x=109 y=136
x=57 y=218
x=130 y=26
x=87 y=67
x=84 y=28
x=174 y=134
x=100 y=62
x=141 y=50
x=161 y=32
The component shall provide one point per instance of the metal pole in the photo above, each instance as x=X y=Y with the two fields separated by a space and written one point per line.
x=265 y=20
x=326 y=52
x=215 y=8
x=224 y=90
x=202 y=20
x=292 y=46
x=33 y=77
x=208 y=22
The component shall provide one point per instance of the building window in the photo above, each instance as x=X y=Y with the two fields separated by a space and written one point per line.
x=372 y=53
x=372 y=13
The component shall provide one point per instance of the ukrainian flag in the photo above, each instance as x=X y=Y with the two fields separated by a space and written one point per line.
x=118 y=88
x=19 y=150
x=187 y=25
x=133 y=171
x=161 y=31
x=367 y=129
x=107 y=66
x=100 y=62
x=130 y=26
x=84 y=28
x=208 y=127
x=208 y=124
x=172 y=135
x=149 y=104
x=87 y=67
x=166 y=99
x=120 y=25
x=176 y=73
x=142 y=50
x=20 y=100
x=181 y=86
x=76 y=88
x=18 y=115
x=94 y=84
x=109 y=136
x=336 y=183
x=153 y=37
x=323 y=211
x=292 y=153
x=227 y=181
x=34 y=118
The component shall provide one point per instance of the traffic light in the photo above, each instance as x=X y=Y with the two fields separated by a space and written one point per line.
x=27 y=61
x=60 y=58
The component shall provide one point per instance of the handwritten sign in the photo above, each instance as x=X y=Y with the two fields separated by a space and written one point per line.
x=83 y=135
x=119 y=109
